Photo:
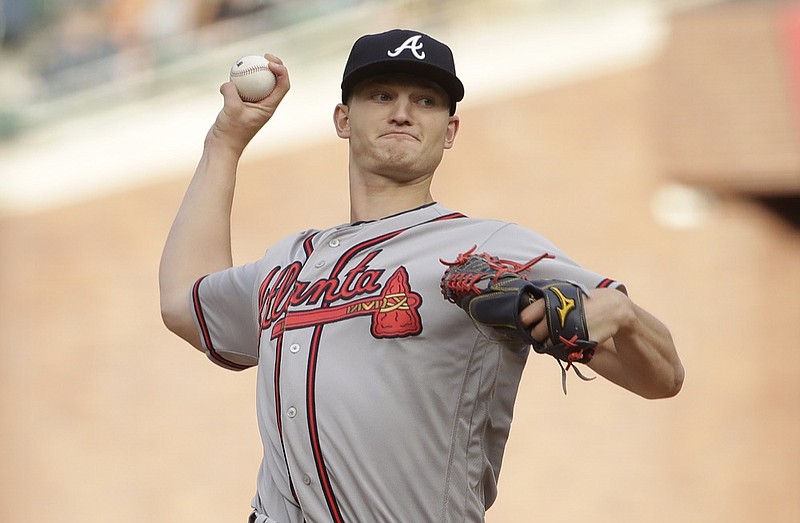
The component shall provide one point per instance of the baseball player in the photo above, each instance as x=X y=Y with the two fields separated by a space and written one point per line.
x=378 y=399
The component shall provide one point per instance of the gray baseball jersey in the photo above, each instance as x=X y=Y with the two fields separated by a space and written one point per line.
x=377 y=399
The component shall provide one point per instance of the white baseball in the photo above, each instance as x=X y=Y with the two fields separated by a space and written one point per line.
x=252 y=78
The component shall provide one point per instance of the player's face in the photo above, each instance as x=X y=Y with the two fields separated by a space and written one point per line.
x=398 y=127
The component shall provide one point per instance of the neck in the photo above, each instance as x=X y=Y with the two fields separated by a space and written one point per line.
x=373 y=202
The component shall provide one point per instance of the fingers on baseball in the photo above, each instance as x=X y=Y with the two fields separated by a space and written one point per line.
x=278 y=68
x=273 y=59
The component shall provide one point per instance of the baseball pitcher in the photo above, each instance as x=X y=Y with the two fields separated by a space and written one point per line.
x=389 y=349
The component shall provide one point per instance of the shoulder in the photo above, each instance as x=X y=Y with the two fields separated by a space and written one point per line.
x=295 y=246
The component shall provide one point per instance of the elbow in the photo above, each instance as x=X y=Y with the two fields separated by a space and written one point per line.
x=177 y=314
x=177 y=317
x=677 y=382
x=674 y=382
x=174 y=304
x=170 y=316
x=670 y=386
x=671 y=373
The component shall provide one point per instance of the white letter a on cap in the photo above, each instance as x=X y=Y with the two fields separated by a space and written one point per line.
x=412 y=44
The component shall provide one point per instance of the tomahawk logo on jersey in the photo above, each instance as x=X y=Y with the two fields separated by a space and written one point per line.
x=392 y=306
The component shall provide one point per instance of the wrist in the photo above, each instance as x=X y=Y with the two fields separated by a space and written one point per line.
x=625 y=315
x=220 y=145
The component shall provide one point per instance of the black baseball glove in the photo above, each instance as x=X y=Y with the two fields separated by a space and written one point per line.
x=493 y=291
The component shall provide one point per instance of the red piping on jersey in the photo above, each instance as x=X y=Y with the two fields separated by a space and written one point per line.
x=311 y=412
x=276 y=382
x=278 y=418
x=313 y=430
x=308 y=246
x=607 y=282
x=201 y=320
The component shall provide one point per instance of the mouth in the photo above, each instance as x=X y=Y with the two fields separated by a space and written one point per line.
x=399 y=134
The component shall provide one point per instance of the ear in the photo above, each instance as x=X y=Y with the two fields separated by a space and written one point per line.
x=341 y=120
x=452 y=131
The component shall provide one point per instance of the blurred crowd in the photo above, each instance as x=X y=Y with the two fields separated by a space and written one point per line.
x=60 y=41
x=113 y=24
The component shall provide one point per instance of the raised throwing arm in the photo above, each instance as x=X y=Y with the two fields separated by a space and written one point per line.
x=199 y=241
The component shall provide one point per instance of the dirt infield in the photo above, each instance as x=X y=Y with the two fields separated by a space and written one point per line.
x=106 y=417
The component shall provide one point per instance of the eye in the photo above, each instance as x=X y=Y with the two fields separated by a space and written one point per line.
x=381 y=96
x=430 y=100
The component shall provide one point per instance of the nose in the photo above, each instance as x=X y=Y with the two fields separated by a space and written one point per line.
x=401 y=112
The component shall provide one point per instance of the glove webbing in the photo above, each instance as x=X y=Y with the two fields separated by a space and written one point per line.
x=456 y=286
x=465 y=283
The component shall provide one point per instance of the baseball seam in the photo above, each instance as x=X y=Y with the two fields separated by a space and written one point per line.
x=251 y=69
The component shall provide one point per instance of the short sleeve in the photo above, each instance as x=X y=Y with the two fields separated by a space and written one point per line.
x=226 y=316
x=519 y=244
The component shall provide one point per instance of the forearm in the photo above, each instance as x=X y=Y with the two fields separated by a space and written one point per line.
x=640 y=356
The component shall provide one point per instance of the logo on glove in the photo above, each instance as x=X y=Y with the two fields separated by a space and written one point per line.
x=567 y=305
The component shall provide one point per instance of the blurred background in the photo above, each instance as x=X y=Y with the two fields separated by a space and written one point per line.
x=670 y=130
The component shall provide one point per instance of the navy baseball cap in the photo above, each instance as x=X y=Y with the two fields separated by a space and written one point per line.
x=402 y=51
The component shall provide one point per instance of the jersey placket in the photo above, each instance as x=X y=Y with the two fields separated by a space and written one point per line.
x=298 y=350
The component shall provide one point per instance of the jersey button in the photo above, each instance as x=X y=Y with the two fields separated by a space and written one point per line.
x=306 y=479
x=319 y=264
x=294 y=348
x=291 y=412
x=334 y=242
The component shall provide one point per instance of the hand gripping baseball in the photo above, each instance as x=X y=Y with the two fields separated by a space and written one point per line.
x=492 y=291
x=239 y=121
